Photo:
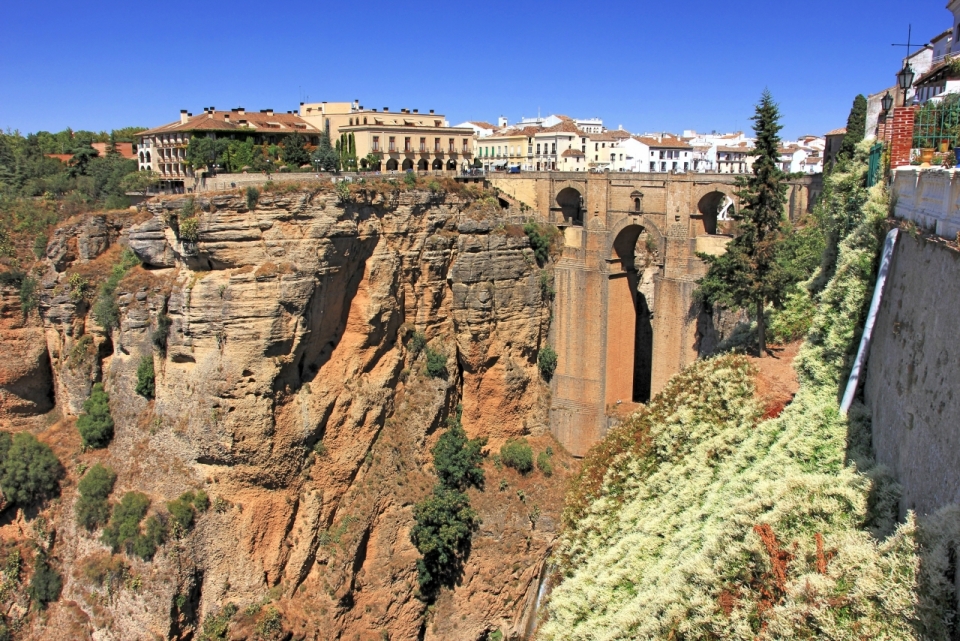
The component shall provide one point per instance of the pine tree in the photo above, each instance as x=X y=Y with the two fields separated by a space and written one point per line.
x=749 y=275
x=856 y=127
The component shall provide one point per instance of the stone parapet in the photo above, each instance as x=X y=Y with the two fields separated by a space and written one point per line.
x=930 y=197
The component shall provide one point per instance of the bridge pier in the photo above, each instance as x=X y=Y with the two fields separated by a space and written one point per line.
x=625 y=316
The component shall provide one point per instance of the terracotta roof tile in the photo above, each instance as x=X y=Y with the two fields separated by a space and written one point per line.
x=235 y=121
x=482 y=124
x=664 y=143
x=837 y=132
x=572 y=153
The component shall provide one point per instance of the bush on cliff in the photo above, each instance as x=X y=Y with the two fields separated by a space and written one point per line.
x=95 y=487
x=46 y=583
x=444 y=521
x=547 y=362
x=96 y=423
x=183 y=511
x=105 y=309
x=697 y=519
x=436 y=363
x=146 y=377
x=541 y=238
x=127 y=530
x=29 y=470
x=516 y=453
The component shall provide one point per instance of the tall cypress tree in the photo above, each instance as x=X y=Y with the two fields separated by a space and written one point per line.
x=748 y=275
x=856 y=127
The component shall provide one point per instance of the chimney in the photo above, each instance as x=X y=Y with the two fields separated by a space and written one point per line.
x=241 y=111
x=212 y=109
x=226 y=117
x=431 y=111
x=502 y=122
x=416 y=111
x=183 y=116
x=386 y=108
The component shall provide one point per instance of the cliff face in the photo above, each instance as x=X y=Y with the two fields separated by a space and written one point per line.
x=287 y=392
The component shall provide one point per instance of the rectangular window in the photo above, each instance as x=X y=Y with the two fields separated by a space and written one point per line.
x=653 y=167
x=452 y=149
x=596 y=146
x=464 y=145
x=436 y=144
x=663 y=167
x=553 y=148
x=538 y=149
x=393 y=143
x=423 y=144
x=529 y=148
x=376 y=143
x=406 y=144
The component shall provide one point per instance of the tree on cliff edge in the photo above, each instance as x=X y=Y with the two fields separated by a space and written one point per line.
x=749 y=275
x=856 y=127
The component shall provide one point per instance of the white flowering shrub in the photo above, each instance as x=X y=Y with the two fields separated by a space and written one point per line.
x=697 y=519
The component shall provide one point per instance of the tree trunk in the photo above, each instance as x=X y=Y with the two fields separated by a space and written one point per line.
x=761 y=329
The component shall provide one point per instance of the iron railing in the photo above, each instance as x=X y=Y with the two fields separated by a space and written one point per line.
x=937 y=124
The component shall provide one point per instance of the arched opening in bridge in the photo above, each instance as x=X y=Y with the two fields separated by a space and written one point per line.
x=571 y=204
x=629 y=318
x=713 y=207
x=392 y=164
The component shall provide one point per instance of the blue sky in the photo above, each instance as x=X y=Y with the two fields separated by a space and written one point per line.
x=646 y=65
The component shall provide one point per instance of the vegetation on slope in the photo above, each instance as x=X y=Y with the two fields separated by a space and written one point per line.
x=697 y=520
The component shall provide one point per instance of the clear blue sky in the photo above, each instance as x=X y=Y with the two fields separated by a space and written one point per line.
x=646 y=65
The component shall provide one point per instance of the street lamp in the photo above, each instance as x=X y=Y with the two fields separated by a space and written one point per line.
x=886 y=102
x=905 y=81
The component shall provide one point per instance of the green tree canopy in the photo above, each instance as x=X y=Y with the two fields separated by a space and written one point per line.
x=749 y=274
x=29 y=470
x=295 y=151
x=456 y=459
x=856 y=127
x=325 y=155
x=95 y=487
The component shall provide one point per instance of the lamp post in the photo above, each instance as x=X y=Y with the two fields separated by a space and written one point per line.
x=887 y=102
x=905 y=81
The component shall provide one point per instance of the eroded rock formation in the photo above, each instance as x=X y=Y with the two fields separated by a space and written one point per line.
x=286 y=390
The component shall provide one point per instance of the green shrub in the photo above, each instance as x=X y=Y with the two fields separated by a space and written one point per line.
x=96 y=423
x=444 y=524
x=160 y=334
x=215 y=628
x=95 y=487
x=456 y=460
x=253 y=197
x=40 y=245
x=270 y=625
x=190 y=229
x=343 y=192
x=416 y=344
x=544 y=464
x=183 y=511
x=541 y=237
x=45 y=584
x=146 y=378
x=547 y=362
x=516 y=453
x=124 y=531
x=29 y=470
x=29 y=298
x=436 y=364
x=410 y=179
x=105 y=309
x=444 y=521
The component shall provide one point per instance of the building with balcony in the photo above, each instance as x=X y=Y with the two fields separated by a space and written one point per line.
x=164 y=149
x=403 y=140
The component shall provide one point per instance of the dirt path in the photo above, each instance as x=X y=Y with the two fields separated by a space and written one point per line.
x=777 y=381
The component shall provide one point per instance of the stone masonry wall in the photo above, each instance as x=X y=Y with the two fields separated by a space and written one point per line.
x=912 y=371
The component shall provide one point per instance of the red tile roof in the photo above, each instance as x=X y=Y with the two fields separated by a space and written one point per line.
x=482 y=124
x=837 y=132
x=260 y=122
x=572 y=153
x=663 y=143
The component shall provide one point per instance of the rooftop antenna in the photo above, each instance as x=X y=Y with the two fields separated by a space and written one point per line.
x=909 y=44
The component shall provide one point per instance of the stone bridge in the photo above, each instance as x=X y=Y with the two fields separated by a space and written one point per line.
x=625 y=318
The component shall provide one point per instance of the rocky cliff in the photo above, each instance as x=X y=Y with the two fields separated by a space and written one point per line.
x=286 y=390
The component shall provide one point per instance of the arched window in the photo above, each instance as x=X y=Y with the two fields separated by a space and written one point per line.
x=637 y=205
x=364 y=120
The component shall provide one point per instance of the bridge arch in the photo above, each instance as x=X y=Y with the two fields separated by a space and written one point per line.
x=570 y=202
x=713 y=209
x=634 y=260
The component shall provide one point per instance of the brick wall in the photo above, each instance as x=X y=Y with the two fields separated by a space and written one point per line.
x=900 y=134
